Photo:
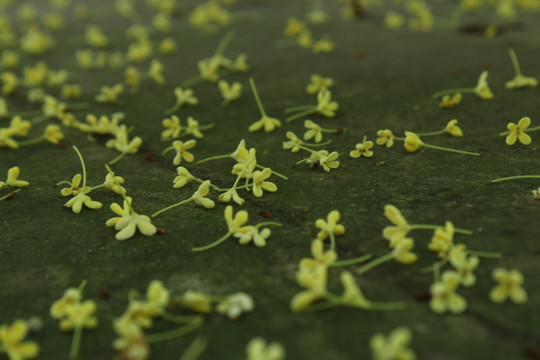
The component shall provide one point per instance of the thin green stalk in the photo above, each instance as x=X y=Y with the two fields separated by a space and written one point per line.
x=26 y=113
x=195 y=349
x=268 y=223
x=301 y=114
x=436 y=272
x=167 y=150
x=297 y=108
x=213 y=158
x=305 y=148
x=76 y=343
x=173 y=109
x=172 y=207
x=82 y=164
x=82 y=285
x=432 y=267
x=97 y=187
x=320 y=306
x=391 y=306
x=31 y=141
x=332 y=240
x=193 y=81
x=316 y=145
x=525 y=130
x=118 y=158
x=330 y=130
x=215 y=187
x=78 y=106
x=273 y=172
x=173 y=334
x=215 y=243
x=238 y=187
x=485 y=254
x=301 y=161
x=517 y=177
x=39 y=119
x=257 y=99
x=433 y=133
x=375 y=262
x=224 y=43
x=451 y=150
x=63 y=182
x=352 y=261
x=453 y=91
x=179 y=318
x=10 y=194
x=435 y=227
x=515 y=62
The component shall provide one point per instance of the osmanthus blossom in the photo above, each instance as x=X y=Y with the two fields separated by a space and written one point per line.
x=128 y=221
x=444 y=296
x=12 y=178
x=510 y=286
x=393 y=347
x=236 y=304
x=12 y=341
x=258 y=349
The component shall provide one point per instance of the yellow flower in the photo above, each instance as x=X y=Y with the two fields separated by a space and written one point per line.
x=304 y=39
x=121 y=143
x=57 y=78
x=235 y=224
x=394 y=347
x=6 y=140
x=229 y=92
x=293 y=143
x=362 y=149
x=352 y=293
x=71 y=91
x=521 y=81
x=453 y=129
x=393 y=20
x=199 y=195
x=329 y=162
x=258 y=237
x=317 y=16
x=156 y=68
x=74 y=188
x=448 y=102
x=231 y=194
x=324 y=45
x=196 y=301
x=293 y=27
x=12 y=175
x=240 y=64
x=320 y=257
x=314 y=280
x=85 y=59
x=208 y=69
x=113 y=183
x=412 y=142
x=385 y=137
x=329 y=226
x=132 y=76
x=52 y=107
x=510 y=286
x=59 y=307
x=442 y=240
x=35 y=76
x=102 y=126
x=157 y=297
x=536 y=193
x=183 y=177
x=257 y=349
x=132 y=343
x=235 y=305
x=123 y=212
x=518 y=132
x=314 y=131
x=110 y=94
x=319 y=83
x=266 y=121
x=185 y=97
x=172 y=128
x=181 y=152
x=259 y=183
x=464 y=265
x=12 y=341
x=193 y=128
x=79 y=315
x=402 y=251
x=247 y=161
x=482 y=88
x=130 y=223
x=95 y=37
x=395 y=233
x=167 y=46
x=324 y=105
x=444 y=297
x=81 y=199
x=53 y=134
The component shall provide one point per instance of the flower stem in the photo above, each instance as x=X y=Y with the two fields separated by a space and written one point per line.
x=193 y=81
x=173 y=334
x=39 y=119
x=76 y=343
x=179 y=318
x=173 y=109
x=224 y=43
x=273 y=172
x=352 y=261
x=78 y=106
x=31 y=141
x=118 y=158
x=332 y=240
x=268 y=223
x=321 y=306
x=301 y=114
x=315 y=145
x=435 y=227
x=451 y=150
x=375 y=262
x=485 y=254
x=213 y=158
x=433 y=133
x=524 y=130
x=391 y=306
x=305 y=148
x=215 y=187
x=517 y=177
x=257 y=99
x=515 y=62
x=431 y=268
x=172 y=206
x=82 y=164
x=215 y=243
x=167 y=150
x=195 y=349
x=297 y=108
x=97 y=187
x=10 y=195
x=451 y=91
x=82 y=285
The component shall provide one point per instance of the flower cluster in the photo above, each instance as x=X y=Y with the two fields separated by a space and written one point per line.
x=303 y=36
